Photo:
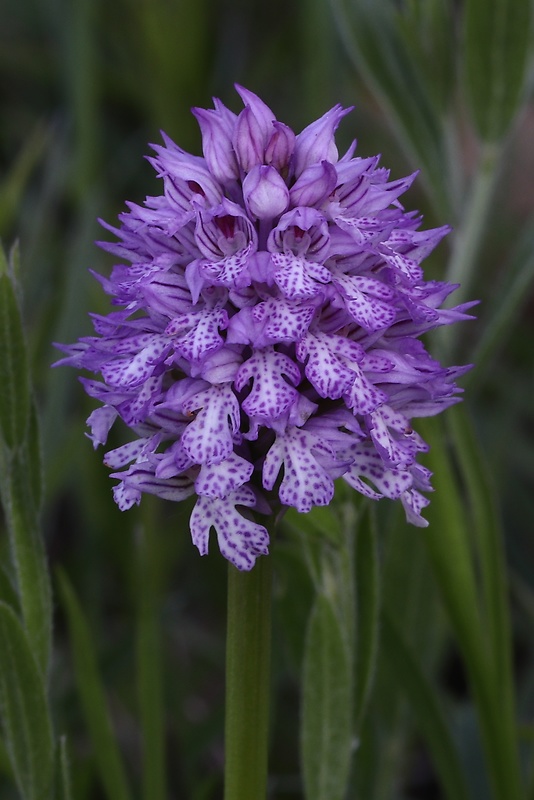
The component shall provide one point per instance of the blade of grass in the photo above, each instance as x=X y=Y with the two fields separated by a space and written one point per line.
x=149 y=662
x=20 y=468
x=496 y=56
x=490 y=552
x=92 y=696
x=447 y=542
x=367 y=610
x=327 y=709
x=380 y=55
x=24 y=710
x=404 y=668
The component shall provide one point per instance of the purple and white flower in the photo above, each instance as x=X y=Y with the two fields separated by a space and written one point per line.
x=265 y=337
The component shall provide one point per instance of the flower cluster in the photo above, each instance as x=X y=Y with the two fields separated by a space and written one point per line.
x=266 y=334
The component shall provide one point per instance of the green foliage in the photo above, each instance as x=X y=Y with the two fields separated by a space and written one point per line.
x=369 y=613
x=93 y=698
x=497 y=40
x=24 y=710
x=326 y=700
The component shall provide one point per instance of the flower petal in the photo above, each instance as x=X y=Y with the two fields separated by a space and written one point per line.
x=240 y=539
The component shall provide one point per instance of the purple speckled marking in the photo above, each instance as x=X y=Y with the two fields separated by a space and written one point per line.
x=240 y=539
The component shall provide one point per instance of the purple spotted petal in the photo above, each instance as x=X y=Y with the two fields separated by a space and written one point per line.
x=197 y=332
x=208 y=439
x=271 y=394
x=306 y=482
x=297 y=278
x=240 y=539
x=219 y=480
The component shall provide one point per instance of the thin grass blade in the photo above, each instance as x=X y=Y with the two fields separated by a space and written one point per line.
x=109 y=763
x=24 y=710
x=496 y=43
x=424 y=702
x=327 y=707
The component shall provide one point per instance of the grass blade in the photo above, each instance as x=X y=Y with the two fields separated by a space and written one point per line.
x=93 y=700
x=327 y=706
x=423 y=700
x=368 y=605
x=24 y=710
x=497 y=38
x=448 y=545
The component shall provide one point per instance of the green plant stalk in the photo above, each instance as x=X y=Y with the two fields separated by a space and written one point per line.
x=248 y=656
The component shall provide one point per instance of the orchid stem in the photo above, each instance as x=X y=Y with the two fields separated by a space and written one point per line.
x=248 y=653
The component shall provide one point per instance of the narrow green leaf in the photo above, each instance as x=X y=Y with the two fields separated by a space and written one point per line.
x=13 y=184
x=367 y=603
x=14 y=370
x=503 y=312
x=149 y=664
x=447 y=541
x=28 y=554
x=8 y=592
x=20 y=467
x=326 y=706
x=93 y=700
x=65 y=781
x=375 y=44
x=24 y=711
x=490 y=550
x=427 y=26
x=404 y=669
x=497 y=38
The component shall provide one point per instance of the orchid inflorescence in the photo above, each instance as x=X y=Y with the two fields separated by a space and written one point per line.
x=265 y=340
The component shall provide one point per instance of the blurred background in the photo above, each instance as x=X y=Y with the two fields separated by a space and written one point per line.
x=84 y=87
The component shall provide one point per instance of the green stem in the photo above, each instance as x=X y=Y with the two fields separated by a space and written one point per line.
x=247 y=681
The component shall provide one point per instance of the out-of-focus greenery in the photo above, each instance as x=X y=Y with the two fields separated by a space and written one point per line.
x=84 y=86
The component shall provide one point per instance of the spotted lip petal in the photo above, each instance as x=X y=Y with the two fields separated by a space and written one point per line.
x=264 y=335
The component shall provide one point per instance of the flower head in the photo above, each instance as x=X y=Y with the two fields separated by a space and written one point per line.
x=265 y=337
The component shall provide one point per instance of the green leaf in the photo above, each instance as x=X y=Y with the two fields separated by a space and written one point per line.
x=326 y=706
x=404 y=669
x=14 y=370
x=28 y=554
x=149 y=662
x=24 y=710
x=375 y=44
x=367 y=604
x=427 y=27
x=448 y=545
x=65 y=781
x=91 y=690
x=13 y=185
x=497 y=37
x=491 y=557
x=505 y=307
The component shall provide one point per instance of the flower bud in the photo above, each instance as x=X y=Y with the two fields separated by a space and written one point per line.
x=217 y=144
x=249 y=140
x=314 y=185
x=280 y=146
x=316 y=142
x=265 y=193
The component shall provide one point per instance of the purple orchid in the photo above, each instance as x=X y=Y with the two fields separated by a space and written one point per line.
x=265 y=340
